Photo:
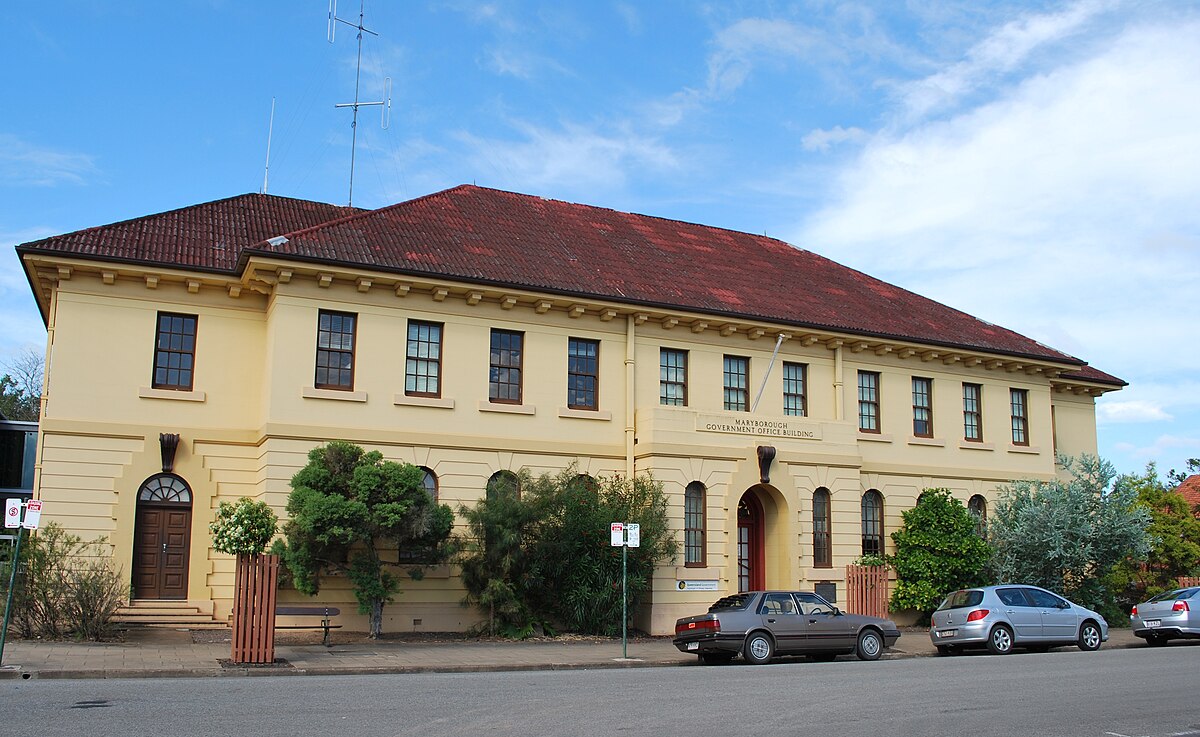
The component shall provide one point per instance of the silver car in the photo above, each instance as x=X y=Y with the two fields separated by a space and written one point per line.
x=1003 y=617
x=1170 y=616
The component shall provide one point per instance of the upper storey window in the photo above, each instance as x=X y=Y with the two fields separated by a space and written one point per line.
x=504 y=373
x=335 y=350
x=423 y=359
x=583 y=373
x=1019 y=399
x=922 y=401
x=972 y=412
x=672 y=377
x=868 y=401
x=174 y=351
x=737 y=384
x=795 y=399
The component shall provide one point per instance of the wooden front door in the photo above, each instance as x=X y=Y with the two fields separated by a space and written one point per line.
x=160 y=551
x=750 y=544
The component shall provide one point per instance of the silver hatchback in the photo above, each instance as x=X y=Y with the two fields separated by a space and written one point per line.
x=1169 y=616
x=1003 y=617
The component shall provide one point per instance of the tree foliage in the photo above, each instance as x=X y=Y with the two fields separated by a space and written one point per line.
x=1067 y=536
x=1174 y=535
x=1175 y=478
x=243 y=527
x=348 y=511
x=21 y=387
x=937 y=550
x=576 y=569
x=492 y=555
x=543 y=557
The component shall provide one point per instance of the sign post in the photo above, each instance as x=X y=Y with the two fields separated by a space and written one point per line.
x=625 y=536
x=12 y=518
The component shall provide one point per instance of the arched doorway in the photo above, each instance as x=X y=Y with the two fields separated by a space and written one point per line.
x=751 y=576
x=162 y=537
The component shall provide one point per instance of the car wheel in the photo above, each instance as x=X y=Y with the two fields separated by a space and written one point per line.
x=1089 y=636
x=759 y=648
x=715 y=658
x=1000 y=641
x=870 y=645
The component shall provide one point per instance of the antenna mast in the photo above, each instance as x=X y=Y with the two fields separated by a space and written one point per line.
x=385 y=104
x=270 y=129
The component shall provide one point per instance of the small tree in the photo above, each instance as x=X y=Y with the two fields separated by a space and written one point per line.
x=348 y=510
x=21 y=387
x=1067 y=536
x=1174 y=534
x=493 y=557
x=937 y=550
x=578 y=572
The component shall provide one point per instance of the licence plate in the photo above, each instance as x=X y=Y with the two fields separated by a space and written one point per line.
x=947 y=633
x=693 y=646
x=1152 y=623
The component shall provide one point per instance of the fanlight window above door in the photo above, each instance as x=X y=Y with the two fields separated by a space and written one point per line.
x=165 y=487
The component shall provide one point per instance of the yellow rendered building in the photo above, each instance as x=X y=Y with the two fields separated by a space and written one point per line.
x=792 y=407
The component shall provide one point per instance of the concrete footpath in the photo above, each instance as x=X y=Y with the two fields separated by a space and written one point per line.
x=151 y=653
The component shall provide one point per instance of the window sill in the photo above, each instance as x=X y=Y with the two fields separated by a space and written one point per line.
x=696 y=573
x=406 y=401
x=933 y=442
x=309 y=392
x=585 y=414
x=511 y=409
x=1025 y=449
x=874 y=437
x=968 y=445
x=178 y=395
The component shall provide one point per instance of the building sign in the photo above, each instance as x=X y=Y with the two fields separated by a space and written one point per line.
x=774 y=428
x=696 y=585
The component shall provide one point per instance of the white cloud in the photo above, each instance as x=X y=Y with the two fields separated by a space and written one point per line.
x=1001 y=52
x=752 y=40
x=822 y=140
x=1130 y=411
x=24 y=165
x=574 y=158
x=1063 y=206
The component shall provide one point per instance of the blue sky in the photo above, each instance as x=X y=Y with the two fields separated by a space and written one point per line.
x=1034 y=164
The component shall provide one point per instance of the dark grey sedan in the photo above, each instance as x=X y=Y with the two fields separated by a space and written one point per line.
x=759 y=625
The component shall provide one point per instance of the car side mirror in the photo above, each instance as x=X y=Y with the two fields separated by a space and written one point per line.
x=837 y=612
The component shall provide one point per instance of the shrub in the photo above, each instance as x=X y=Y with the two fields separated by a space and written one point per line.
x=66 y=588
x=244 y=527
x=937 y=551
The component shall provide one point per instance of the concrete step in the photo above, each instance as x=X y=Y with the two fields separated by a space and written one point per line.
x=164 y=615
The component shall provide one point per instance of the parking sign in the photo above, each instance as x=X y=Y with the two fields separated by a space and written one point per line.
x=12 y=512
x=33 y=514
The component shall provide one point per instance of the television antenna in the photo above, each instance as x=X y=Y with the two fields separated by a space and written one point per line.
x=385 y=104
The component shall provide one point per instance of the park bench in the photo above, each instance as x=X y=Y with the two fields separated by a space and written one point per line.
x=326 y=613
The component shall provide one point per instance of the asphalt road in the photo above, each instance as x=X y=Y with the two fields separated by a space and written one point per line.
x=1139 y=692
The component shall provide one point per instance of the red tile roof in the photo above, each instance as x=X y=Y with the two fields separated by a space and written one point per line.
x=1190 y=490
x=490 y=237
x=500 y=238
x=207 y=237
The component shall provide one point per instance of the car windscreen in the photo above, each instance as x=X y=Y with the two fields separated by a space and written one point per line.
x=962 y=599
x=730 y=603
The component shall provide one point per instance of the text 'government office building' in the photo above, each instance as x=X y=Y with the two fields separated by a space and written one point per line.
x=792 y=407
